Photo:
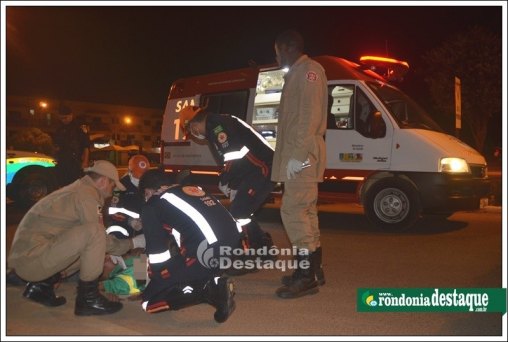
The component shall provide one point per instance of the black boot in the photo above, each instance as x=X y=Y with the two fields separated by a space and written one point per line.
x=288 y=279
x=243 y=244
x=318 y=264
x=267 y=242
x=44 y=291
x=221 y=295
x=89 y=301
x=320 y=275
x=303 y=281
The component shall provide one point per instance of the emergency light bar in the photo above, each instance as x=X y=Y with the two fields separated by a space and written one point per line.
x=389 y=68
x=382 y=60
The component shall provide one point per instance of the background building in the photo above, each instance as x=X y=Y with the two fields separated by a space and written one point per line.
x=106 y=123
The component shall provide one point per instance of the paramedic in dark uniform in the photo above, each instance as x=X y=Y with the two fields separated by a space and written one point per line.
x=300 y=142
x=123 y=212
x=247 y=159
x=201 y=226
x=72 y=147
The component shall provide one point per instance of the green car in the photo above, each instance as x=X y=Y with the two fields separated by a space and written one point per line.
x=29 y=176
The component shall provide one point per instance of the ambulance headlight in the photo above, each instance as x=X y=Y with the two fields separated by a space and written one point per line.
x=453 y=165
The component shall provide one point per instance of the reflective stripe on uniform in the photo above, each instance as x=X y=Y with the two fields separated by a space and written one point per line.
x=155 y=307
x=122 y=230
x=259 y=136
x=177 y=235
x=236 y=154
x=243 y=222
x=193 y=214
x=159 y=257
x=239 y=226
x=114 y=210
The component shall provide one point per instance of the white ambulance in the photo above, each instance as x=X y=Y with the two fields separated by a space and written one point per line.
x=383 y=150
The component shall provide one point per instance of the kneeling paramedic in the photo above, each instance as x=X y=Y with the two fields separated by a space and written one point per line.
x=63 y=233
x=247 y=159
x=201 y=226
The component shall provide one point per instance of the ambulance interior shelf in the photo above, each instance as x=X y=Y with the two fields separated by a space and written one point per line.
x=266 y=104
x=341 y=106
x=266 y=108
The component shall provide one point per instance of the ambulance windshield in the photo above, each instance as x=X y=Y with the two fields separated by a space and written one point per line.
x=405 y=111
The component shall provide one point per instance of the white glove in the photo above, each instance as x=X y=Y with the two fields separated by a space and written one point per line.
x=225 y=189
x=232 y=194
x=139 y=241
x=135 y=224
x=118 y=260
x=294 y=166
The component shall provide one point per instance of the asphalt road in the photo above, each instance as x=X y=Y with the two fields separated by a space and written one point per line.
x=463 y=251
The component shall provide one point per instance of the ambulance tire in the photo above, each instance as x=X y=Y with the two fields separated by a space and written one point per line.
x=31 y=184
x=392 y=204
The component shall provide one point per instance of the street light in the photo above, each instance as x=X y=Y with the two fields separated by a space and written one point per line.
x=126 y=120
x=43 y=105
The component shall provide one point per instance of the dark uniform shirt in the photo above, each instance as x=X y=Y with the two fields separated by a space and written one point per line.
x=199 y=223
x=122 y=209
x=242 y=150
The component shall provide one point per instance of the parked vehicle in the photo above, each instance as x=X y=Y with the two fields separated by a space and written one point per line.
x=29 y=176
x=120 y=155
x=383 y=150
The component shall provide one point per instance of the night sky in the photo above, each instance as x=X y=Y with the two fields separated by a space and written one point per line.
x=131 y=55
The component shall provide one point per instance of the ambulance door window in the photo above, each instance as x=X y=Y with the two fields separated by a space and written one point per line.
x=232 y=103
x=340 y=106
x=368 y=120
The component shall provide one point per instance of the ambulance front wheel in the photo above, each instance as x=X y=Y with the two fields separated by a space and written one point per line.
x=392 y=204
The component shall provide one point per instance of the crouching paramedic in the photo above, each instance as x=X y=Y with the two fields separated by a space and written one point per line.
x=62 y=234
x=123 y=212
x=201 y=226
x=247 y=159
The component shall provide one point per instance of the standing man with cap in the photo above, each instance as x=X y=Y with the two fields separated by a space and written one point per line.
x=299 y=159
x=72 y=146
x=63 y=233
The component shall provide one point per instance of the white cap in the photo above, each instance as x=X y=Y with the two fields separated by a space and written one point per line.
x=105 y=168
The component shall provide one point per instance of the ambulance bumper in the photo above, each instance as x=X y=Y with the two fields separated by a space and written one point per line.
x=447 y=193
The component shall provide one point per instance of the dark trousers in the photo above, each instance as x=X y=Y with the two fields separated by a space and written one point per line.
x=252 y=194
x=67 y=171
x=176 y=274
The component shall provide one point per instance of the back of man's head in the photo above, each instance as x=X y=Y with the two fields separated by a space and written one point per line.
x=64 y=110
x=290 y=38
x=153 y=179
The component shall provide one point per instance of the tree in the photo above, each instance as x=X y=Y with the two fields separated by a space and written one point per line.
x=31 y=139
x=475 y=58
